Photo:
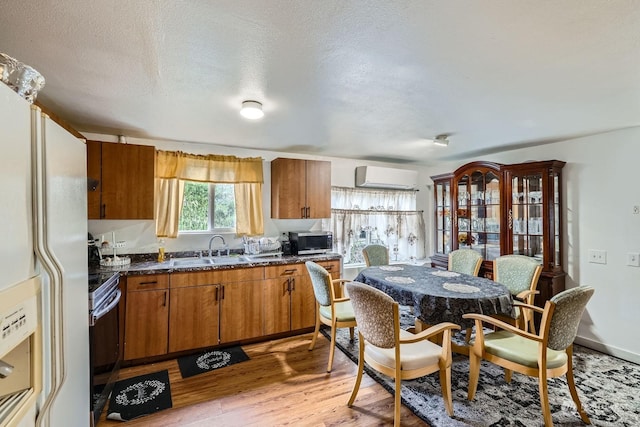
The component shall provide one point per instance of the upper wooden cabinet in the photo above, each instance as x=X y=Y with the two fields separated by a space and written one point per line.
x=125 y=176
x=499 y=209
x=300 y=188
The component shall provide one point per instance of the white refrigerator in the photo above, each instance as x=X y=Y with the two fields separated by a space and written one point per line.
x=43 y=222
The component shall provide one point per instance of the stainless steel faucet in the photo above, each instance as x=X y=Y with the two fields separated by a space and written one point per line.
x=224 y=244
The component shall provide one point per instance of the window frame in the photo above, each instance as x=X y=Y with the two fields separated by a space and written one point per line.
x=210 y=214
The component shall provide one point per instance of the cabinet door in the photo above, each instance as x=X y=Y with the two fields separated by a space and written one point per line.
x=146 y=324
x=127 y=181
x=318 y=186
x=193 y=317
x=442 y=195
x=288 y=192
x=241 y=315
x=303 y=303
x=94 y=172
x=277 y=305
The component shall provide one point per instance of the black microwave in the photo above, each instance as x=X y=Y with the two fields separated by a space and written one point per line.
x=311 y=242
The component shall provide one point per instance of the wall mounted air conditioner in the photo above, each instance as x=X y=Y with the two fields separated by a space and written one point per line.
x=379 y=177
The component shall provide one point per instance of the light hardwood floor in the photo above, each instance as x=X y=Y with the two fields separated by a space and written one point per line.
x=282 y=384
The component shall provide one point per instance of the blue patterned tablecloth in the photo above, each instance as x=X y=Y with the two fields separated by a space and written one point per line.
x=439 y=295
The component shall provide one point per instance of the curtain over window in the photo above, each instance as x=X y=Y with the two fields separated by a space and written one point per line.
x=388 y=217
x=175 y=167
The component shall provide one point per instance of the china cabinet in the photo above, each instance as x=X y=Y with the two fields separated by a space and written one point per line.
x=499 y=209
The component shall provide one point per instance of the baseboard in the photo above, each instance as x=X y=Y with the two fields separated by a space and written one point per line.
x=609 y=349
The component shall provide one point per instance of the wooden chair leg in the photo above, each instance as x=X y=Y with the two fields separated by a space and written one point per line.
x=351 y=333
x=332 y=350
x=507 y=375
x=474 y=374
x=315 y=333
x=467 y=335
x=397 y=402
x=572 y=387
x=356 y=386
x=445 y=384
x=544 y=398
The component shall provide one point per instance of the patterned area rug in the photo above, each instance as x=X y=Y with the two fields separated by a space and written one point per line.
x=607 y=386
x=139 y=396
x=210 y=360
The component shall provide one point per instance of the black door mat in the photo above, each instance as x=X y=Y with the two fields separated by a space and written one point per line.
x=210 y=360
x=139 y=396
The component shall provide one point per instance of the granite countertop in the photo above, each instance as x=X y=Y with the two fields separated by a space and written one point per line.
x=146 y=263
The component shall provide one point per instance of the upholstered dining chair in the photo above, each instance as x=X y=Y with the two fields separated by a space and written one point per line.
x=520 y=275
x=466 y=261
x=543 y=355
x=395 y=352
x=332 y=308
x=375 y=255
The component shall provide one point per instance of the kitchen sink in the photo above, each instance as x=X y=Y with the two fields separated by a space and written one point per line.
x=202 y=262
x=191 y=262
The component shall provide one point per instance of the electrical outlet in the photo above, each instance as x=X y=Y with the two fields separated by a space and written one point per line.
x=597 y=256
x=636 y=210
x=633 y=259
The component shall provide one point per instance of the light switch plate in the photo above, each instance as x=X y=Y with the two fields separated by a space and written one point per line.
x=633 y=259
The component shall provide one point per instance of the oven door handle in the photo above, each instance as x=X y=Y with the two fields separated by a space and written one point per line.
x=97 y=314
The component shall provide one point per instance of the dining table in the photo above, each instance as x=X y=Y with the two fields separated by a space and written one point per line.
x=438 y=295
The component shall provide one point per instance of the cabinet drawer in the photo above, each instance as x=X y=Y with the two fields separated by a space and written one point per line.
x=275 y=271
x=333 y=267
x=243 y=274
x=147 y=282
x=200 y=278
x=216 y=277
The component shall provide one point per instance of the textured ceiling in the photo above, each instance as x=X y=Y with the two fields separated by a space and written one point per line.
x=362 y=79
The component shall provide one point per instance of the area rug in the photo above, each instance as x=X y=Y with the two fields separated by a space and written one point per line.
x=608 y=388
x=210 y=360
x=139 y=396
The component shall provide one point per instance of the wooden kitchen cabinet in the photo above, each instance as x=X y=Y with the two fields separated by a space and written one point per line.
x=300 y=188
x=194 y=313
x=289 y=299
x=241 y=312
x=125 y=176
x=147 y=316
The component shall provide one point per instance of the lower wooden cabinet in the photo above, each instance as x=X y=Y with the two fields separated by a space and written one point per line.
x=241 y=315
x=194 y=314
x=168 y=313
x=146 y=316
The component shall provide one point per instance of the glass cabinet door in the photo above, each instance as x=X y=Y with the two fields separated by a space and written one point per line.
x=527 y=215
x=443 y=217
x=478 y=213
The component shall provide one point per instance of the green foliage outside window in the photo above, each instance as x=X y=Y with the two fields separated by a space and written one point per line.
x=197 y=205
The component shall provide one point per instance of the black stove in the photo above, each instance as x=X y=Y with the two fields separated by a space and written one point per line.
x=101 y=287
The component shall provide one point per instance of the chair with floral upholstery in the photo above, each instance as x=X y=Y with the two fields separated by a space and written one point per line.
x=543 y=355
x=520 y=275
x=395 y=352
x=465 y=261
x=375 y=255
x=332 y=309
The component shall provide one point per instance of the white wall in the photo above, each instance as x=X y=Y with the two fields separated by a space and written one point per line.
x=600 y=189
x=140 y=235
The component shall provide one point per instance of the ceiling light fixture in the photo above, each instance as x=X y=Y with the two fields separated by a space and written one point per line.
x=251 y=110
x=441 y=140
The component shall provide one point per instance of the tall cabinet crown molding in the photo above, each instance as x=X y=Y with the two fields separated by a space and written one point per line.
x=500 y=209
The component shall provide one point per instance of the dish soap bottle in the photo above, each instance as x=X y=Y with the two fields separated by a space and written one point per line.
x=161 y=257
